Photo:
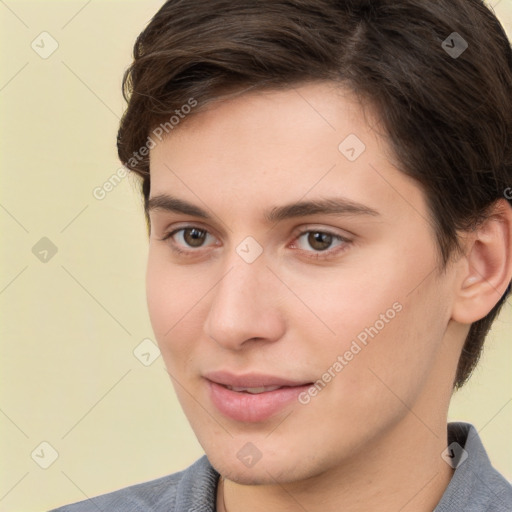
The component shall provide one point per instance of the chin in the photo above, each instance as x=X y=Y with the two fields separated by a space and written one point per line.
x=247 y=478
x=273 y=470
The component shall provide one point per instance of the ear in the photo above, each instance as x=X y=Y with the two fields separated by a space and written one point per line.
x=486 y=271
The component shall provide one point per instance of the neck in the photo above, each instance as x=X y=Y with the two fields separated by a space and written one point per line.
x=399 y=471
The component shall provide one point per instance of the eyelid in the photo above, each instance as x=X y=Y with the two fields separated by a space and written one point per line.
x=343 y=234
x=164 y=221
x=175 y=227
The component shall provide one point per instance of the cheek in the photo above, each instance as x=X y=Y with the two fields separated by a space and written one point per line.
x=396 y=353
x=344 y=302
x=352 y=295
x=174 y=300
x=388 y=318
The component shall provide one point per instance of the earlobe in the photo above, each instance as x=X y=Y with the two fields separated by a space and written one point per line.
x=486 y=271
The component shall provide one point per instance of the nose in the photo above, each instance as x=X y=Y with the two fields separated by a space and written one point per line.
x=245 y=307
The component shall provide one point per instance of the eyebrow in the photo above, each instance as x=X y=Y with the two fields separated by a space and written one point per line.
x=328 y=206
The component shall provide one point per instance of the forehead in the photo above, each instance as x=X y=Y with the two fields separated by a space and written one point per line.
x=273 y=122
x=314 y=140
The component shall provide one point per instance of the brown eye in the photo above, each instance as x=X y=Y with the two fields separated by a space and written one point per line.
x=194 y=237
x=319 y=241
x=189 y=238
x=321 y=244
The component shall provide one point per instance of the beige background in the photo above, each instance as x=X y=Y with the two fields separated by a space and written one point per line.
x=70 y=325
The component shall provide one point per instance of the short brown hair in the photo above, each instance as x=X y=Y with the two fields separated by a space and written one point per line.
x=448 y=117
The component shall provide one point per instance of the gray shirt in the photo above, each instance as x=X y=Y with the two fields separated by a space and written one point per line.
x=475 y=485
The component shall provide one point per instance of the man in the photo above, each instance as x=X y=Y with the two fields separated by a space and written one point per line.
x=327 y=189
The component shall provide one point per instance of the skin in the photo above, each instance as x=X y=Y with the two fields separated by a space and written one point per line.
x=372 y=438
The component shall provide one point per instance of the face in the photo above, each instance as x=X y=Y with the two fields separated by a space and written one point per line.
x=292 y=283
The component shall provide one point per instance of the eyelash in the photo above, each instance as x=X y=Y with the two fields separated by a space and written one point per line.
x=316 y=255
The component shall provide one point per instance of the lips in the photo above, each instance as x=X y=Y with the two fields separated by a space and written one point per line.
x=252 y=397
x=251 y=380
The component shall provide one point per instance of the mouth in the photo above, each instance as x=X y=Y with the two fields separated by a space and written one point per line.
x=252 y=398
x=253 y=391
x=252 y=381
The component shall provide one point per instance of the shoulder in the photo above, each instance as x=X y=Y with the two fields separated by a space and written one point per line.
x=168 y=493
x=143 y=496
x=475 y=486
